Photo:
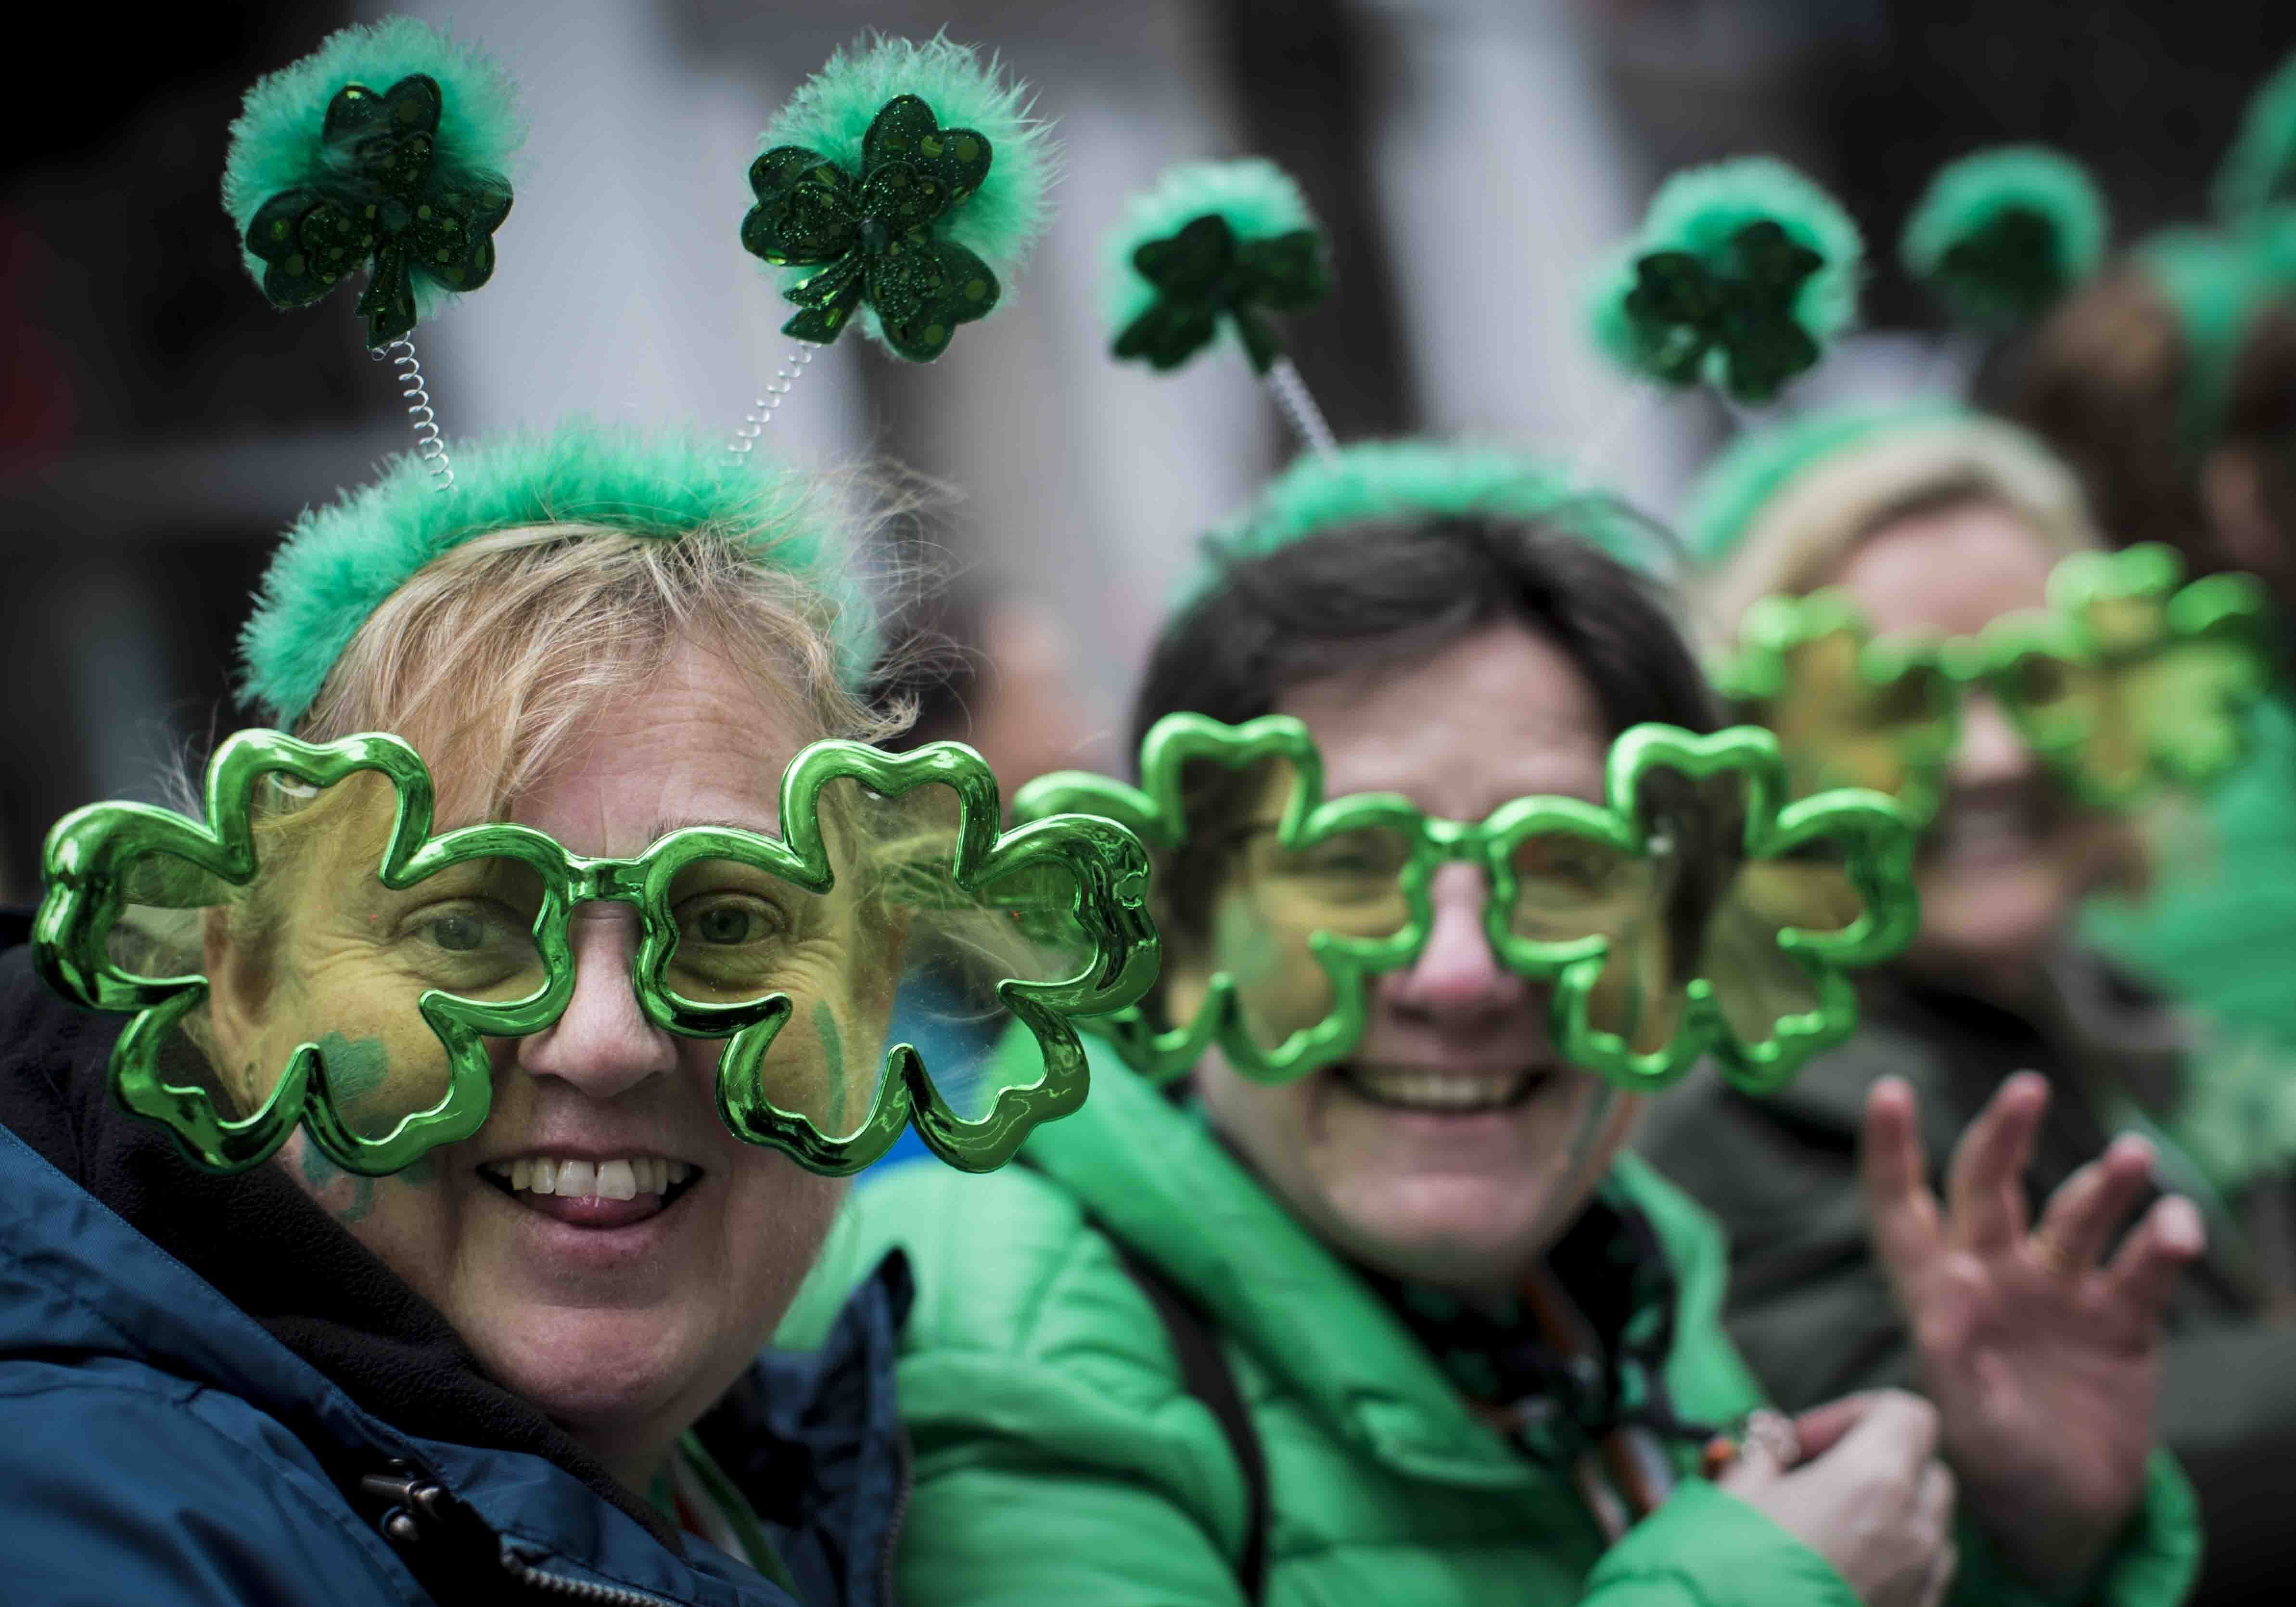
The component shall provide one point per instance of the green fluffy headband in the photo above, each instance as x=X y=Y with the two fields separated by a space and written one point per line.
x=339 y=563
x=1377 y=479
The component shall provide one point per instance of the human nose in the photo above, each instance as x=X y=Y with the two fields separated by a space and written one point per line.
x=603 y=1043
x=1991 y=750
x=1457 y=977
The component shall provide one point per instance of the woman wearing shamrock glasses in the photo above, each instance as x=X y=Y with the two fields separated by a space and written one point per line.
x=1914 y=599
x=1394 y=1320
x=489 y=1084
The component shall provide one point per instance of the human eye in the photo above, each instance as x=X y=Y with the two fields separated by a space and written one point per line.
x=729 y=919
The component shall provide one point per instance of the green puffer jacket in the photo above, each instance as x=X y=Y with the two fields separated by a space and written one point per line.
x=1060 y=1460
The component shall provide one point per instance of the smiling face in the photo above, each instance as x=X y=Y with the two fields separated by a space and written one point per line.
x=1444 y=1150
x=2010 y=855
x=607 y=1249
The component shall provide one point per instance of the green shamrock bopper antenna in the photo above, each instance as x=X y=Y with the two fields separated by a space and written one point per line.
x=900 y=190
x=1210 y=251
x=382 y=152
x=1742 y=275
x=2001 y=235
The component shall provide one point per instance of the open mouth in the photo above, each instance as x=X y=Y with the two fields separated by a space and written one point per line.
x=594 y=1194
x=1445 y=1093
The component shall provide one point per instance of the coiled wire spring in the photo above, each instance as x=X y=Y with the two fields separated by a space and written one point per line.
x=427 y=445
x=794 y=362
x=1298 y=407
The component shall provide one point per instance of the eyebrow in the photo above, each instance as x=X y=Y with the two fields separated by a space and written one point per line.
x=661 y=826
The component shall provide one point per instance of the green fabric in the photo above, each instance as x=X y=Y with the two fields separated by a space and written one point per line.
x=1812 y=1313
x=340 y=562
x=1035 y=1379
x=2218 y=930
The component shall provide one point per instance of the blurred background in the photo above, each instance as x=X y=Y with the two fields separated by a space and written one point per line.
x=1469 y=158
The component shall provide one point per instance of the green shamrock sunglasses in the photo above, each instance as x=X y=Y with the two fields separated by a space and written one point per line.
x=2129 y=682
x=1686 y=914
x=314 y=955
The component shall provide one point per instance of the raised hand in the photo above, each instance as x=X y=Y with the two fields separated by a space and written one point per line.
x=2043 y=1358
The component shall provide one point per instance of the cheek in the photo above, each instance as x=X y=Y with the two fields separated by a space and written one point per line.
x=381 y=1059
x=1279 y=984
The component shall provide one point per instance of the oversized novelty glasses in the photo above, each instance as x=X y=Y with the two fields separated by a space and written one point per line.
x=2127 y=682
x=315 y=955
x=1686 y=914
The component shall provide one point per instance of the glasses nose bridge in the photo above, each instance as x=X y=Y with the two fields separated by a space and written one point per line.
x=606 y=882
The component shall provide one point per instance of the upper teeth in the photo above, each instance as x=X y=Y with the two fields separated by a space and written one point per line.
x=601 y=1180
x=1442 y=1090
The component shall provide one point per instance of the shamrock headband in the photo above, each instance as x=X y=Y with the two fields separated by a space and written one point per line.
x=381 y=151
x=899 y=191
x=1370 y=480
x=2127 y=682
x=1740 y=276
x=1686 y=913
x=437 y=942
x=340 y=562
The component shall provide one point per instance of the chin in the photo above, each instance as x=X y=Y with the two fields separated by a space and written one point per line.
x=589 y=1369
x=1448 y=1228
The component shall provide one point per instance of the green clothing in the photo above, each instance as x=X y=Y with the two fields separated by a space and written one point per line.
x=1812 y=1313
x=1059 y=1459
x=2219 y=927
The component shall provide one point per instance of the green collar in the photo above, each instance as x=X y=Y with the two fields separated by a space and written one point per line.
x=1155 y=1176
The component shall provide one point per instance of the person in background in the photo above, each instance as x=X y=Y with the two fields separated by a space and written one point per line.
x=1411 y=1327
x=2168 y=385
x=1933 y=523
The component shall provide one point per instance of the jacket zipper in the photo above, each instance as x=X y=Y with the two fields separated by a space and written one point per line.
x=907 y=1455
x=579 y=1590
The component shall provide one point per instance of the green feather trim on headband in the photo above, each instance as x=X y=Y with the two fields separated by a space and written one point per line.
x=1205 y=253
x=340 y=562
x=2001 y=234
x=1387 y=479
x=1742 y=275
x=1755 y=468
x=280 y=148
x=998 y=221
x=2259 y=169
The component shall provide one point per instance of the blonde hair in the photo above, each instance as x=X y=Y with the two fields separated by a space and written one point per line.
x=491 y=657
x=1801 y=536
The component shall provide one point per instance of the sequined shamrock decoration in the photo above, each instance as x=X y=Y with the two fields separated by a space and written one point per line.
x=399 y=952
x=388 y=209
x=897 y=190
x=870 y=237
x=382 y=150
x=1214 y=246
x=1689 y=913
x=1207 y=273
x=1740 y=274
x=2001 y=235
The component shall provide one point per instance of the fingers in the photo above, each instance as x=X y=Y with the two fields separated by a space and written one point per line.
x=1933 y=1497
x=1900 y=1212
x=1943 y=1566
x=1985 y=1197
x=2145 y=1270
x=2077 y=1223
x=1821 y=1428
x=1897 y=1427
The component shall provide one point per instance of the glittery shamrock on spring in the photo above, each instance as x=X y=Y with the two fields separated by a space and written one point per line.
x=874 y=236
x=1678 y=918
x=1205 y=274
x=1682 y=308
x=463 y=936
x=386 y=206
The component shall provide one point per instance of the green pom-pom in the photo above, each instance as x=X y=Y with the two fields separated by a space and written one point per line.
x=1391 y=480
x=2259 y=170
x=340 y=562
x=1002 y=218
x=278 y=146
x=2001 y=234
x=1740 y=276
x=1174 y=280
